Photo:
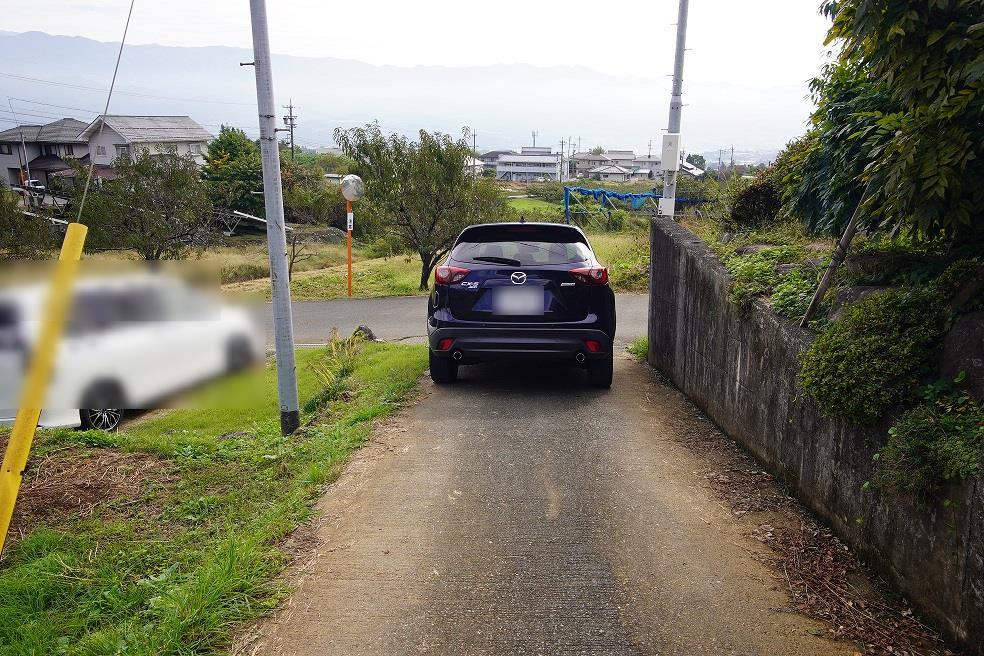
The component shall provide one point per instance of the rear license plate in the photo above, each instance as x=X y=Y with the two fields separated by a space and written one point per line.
x=525 y=301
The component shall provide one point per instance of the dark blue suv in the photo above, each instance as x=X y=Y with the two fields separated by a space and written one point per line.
x=521 y=290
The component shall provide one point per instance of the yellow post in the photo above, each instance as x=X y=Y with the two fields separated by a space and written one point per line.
x=38 y=373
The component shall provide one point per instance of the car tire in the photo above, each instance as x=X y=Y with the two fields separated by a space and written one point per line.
x=104 y=407
x=239 y=354
x=443 y=370
x=600 y=371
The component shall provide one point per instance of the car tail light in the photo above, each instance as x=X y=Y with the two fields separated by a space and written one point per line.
x=591 y=275
x=593 y=345
x=448 y=275
x=445 y=344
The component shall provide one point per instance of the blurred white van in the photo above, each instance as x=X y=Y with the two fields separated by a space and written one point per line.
x=129 y=343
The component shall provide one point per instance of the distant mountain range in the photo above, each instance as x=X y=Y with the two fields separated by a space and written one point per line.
x=503 y=103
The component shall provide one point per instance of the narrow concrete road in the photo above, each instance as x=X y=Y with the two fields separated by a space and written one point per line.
x=522 y=512
x=403 y=318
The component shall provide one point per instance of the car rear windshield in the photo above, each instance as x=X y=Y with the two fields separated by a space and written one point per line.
x=520 y=253
x=521 y=245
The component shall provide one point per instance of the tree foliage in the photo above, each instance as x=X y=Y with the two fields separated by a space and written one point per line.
x=233 y=170
x=902 y=109
x=756 y=204
x=157 y=206
x=22 y=236
x=419 y=189
x=697 y=160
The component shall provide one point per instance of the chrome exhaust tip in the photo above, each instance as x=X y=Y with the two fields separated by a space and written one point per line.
x=579 y=358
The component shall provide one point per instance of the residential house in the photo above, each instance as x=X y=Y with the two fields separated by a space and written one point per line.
x=651 y=162
x=610 y=173
x=111 y=136
x=532 y=164
x=40 y=151
x=623 y=158
x=584 y=162
x=491 y=158
x=690 y=169
x=474 y=166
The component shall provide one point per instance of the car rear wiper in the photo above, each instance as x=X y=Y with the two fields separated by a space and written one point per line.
x=498 y=260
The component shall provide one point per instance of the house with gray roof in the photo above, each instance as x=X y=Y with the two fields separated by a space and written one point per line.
x=610 y=172
x=39 y=151
x=111 y=136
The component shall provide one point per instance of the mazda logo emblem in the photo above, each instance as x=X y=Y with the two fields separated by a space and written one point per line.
x=518 y=278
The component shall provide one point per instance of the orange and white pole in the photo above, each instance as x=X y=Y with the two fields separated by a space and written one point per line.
x=350 y=221
x=352 y=190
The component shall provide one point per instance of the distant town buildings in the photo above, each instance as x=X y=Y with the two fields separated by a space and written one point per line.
x=44 y=152
x=532 y=164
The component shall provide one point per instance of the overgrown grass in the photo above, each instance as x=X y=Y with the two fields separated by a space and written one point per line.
x=523 y=204
x=175 y=570
x=640 y=348
x=626 y=254
x=385 y=276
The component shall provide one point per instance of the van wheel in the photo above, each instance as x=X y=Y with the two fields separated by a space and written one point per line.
x=104 y=407
x=600 y=371
x=443 y=370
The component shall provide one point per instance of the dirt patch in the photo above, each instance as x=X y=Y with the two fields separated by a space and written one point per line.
x=825 y=580
x=72 y=482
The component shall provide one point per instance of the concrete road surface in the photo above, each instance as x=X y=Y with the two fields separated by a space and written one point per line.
x=522 y=512
x=404 y=318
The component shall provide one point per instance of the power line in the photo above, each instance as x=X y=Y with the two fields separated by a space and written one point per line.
x=109 y=97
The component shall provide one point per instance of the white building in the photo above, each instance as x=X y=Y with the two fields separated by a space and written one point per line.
x=491 y=158
x=158 y=134
x=532 y=164
x=611 y=173
x=41 y=150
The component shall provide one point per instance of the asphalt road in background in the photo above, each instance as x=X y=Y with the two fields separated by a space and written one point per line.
x=403 y=318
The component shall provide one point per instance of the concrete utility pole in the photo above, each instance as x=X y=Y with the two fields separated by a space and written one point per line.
x=676 y=109
x=474 y=153
x=291 y=122
x=562 y=144
x=276 y=235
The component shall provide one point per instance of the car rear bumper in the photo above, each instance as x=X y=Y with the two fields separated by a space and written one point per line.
x=485 y=344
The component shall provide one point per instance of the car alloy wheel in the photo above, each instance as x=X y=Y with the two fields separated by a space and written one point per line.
x=106 y=419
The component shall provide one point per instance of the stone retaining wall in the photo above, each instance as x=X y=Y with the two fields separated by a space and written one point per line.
x=742 y=371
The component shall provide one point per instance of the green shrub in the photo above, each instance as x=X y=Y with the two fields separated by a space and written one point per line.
x=934 y=443
x=757 y=204
x=875 y=356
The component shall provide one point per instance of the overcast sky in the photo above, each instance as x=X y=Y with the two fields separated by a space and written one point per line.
x=755 y=42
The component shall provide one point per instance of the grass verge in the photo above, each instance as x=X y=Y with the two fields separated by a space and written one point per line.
x=173 y=561
x=626 y=254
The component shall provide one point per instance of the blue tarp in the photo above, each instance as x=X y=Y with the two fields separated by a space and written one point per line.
x=600 y=194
